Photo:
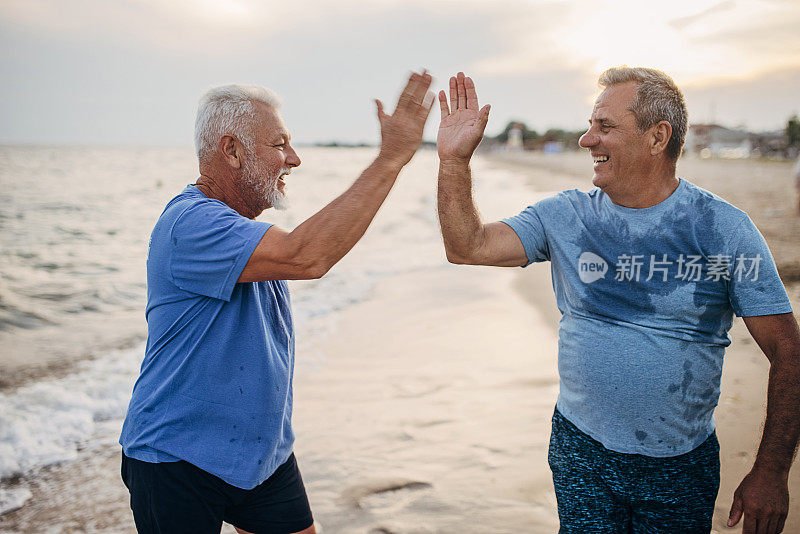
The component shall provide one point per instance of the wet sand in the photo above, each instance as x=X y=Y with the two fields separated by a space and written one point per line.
x=445 y=379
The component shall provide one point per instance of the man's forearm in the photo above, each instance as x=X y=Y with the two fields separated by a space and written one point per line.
x=329 y=234
x=782 y=425
x=462 y=229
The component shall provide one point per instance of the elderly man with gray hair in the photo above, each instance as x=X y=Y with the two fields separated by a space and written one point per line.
x=208 y=434
x=648 y=271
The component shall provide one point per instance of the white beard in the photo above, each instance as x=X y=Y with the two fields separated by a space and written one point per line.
x=256 y=176
x=277 y=199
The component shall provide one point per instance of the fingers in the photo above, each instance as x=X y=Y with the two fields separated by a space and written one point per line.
x=427 y=103
x=759 y=521
x=472 y=96
x=774 y=523
x=771 y=525
x=443 y=104
x=408 y=90
x=462 y=91
x=415 y=90
x=453 y=93
x=381 y=114
x=484 y=113
x=421 y=92
x=736 y=511
x=750 y=524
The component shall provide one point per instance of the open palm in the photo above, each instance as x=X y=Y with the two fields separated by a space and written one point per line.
x=462 y=125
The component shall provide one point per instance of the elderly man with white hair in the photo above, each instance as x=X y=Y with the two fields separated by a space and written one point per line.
x=208 y=434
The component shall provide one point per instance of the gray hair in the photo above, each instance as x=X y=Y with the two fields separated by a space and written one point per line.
x=657 y=99
x=229 y=110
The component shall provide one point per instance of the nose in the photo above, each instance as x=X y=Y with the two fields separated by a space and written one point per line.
x=587 y=140
x=292 y=159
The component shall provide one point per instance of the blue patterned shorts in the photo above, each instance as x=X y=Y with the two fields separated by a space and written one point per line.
x=602 y=491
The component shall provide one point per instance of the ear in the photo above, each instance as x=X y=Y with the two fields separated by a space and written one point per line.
x=230 y=149
x=662 y=132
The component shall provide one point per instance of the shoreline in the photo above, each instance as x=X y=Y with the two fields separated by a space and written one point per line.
x=57 y=351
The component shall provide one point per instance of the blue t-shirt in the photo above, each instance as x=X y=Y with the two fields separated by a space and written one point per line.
x=215 y=387
x=647 y=297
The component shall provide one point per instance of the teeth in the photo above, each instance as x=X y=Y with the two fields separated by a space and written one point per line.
x=600 y=159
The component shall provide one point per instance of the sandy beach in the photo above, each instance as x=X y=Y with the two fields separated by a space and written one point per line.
x=431 y=408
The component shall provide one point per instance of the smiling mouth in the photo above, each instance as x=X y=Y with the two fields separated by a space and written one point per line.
x=600 y=159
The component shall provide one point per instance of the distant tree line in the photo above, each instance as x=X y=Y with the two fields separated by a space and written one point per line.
x=533 y=140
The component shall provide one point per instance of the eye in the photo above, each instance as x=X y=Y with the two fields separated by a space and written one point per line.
x=280 y=146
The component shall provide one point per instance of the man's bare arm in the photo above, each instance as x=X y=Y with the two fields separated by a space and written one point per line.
x=466 y=239
x=311 y=249
x=763 y=495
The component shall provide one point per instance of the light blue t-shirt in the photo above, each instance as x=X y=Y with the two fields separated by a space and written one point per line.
x=215 y=387
x=647 y=297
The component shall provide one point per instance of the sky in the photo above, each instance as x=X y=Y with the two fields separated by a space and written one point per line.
x=132 y=71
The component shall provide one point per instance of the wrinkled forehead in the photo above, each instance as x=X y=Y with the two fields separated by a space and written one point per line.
x=615 y=100
x=269 y=123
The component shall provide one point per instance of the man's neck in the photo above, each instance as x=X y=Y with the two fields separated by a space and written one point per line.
x=222 y=189
x=650 y=189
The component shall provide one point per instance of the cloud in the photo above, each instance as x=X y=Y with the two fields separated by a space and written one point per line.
x=132 y=70
x=763 y=102
x=182 y=26
x=683 y=22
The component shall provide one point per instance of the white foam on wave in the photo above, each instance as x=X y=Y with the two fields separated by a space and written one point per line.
x=13 y=498
x=42 y=423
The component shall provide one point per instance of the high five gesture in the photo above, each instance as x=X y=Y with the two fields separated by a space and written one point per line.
x=401 y=132
x=466 y=238
x=463 y=122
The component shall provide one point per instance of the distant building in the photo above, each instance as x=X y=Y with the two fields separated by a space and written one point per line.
x=515 y=139
x=713 y=140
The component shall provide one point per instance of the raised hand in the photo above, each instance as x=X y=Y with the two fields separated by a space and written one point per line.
x=401 y=132
x=461 y=129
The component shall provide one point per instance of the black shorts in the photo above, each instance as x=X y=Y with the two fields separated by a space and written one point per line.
x=177 y=497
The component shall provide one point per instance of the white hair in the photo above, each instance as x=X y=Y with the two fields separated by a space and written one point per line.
x=229 y=110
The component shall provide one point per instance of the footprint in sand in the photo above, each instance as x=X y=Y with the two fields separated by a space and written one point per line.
x=355 y=495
